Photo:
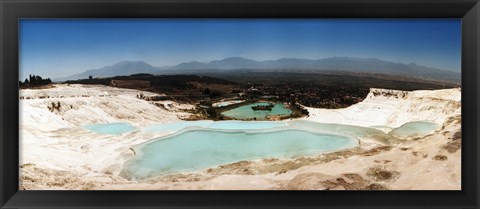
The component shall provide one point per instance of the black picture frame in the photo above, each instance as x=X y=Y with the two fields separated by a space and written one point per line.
x=12 y=10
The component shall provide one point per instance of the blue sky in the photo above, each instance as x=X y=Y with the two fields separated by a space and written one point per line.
x=61 y=47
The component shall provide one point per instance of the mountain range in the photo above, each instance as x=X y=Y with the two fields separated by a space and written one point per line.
x=333 y=64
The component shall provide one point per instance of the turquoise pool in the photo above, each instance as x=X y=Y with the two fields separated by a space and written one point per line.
x=197 y=145
x=209 y=144
x=246 y=112
x=176 y=126
x=198 y=149
x=414 y=129
x=228 y=124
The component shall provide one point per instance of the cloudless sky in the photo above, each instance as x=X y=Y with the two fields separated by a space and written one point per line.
x=61 y=47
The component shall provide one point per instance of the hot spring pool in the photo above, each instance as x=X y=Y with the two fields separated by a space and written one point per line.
x=229 y=125
x=246 y=111
x=209 y=144
x=176 y=126
x=201 y=148
x=198 y=145
x=414 y=129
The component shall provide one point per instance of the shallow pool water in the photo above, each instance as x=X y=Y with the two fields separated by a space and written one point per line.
x=176 y=126
x=202 y=148
x=240 y=125
x=414 y=129
x=227 y=124
x=210 y=144
x=246 y=111
x=111 y=128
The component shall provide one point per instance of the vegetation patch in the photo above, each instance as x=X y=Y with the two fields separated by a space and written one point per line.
x=457 y=135
x=440 y=157
x=381 y=174
x=34 y=81
x=377 y=150
x=319 y=181
x=453 y=146
x=54 y=106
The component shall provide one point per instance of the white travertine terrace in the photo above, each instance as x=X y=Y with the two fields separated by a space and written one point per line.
x=56 y=153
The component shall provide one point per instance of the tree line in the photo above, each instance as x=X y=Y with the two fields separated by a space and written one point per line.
x=34 y=80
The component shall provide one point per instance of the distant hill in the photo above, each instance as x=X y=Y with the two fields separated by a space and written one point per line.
x=333 y=64
x=121 y=68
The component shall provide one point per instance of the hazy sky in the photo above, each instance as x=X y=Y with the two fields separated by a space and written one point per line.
x=55 y=48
